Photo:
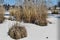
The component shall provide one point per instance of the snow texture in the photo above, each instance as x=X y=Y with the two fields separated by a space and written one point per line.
x=34 y=32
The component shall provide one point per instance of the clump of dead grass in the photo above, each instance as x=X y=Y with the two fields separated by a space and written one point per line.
x=16 y=13
x=2 y=11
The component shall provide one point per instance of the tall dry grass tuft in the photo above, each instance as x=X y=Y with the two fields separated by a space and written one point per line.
x=2 y=11
x=34 y=14
x=42 y=19
x=26 y=14
x=30 y=14
x=16 y=13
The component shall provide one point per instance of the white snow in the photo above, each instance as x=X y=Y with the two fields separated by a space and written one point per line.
x=34 y=32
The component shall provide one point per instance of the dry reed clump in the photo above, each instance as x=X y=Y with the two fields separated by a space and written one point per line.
x=2 y=10
x=36 y=15
x=26 y=14
x=30 y=14
x=16 y=13
x=33 y=14
x=42 y=19
x=17 y=32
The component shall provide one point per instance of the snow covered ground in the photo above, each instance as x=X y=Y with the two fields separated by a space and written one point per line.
x=34 y=32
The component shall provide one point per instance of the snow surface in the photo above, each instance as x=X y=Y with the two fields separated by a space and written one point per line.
x=34 y=32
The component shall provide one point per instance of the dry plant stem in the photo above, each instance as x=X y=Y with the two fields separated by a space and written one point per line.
x=16 y=12
x=2 y=10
